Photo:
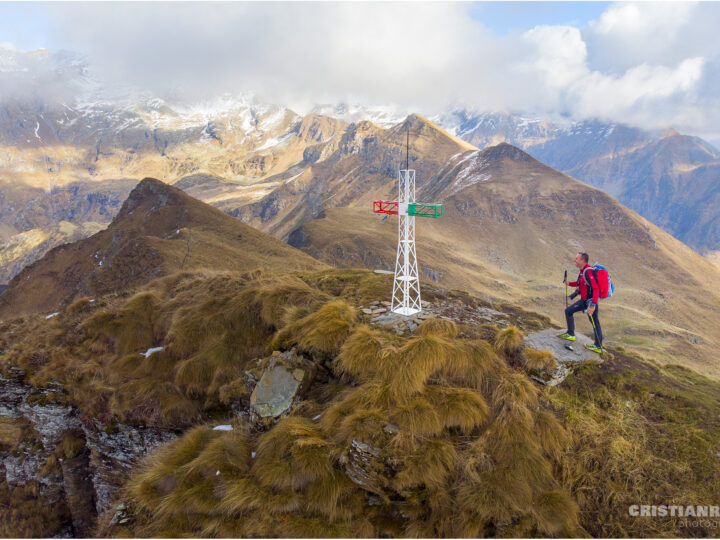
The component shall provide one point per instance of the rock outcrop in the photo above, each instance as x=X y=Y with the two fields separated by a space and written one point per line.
x=567 y=359
x=77 y=464
x=284 y=380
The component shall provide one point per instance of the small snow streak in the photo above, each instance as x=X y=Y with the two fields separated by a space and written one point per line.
x=151 y=351
x=470 y=174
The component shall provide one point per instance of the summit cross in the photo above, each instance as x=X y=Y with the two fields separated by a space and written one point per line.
x=406 y=286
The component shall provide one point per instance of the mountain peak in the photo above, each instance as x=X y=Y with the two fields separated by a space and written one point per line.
x=418 y=125
x=151 y=185
x=151 y=192
x=159 y=230
x=671 y=132
x=505 y=150
x=415 y=118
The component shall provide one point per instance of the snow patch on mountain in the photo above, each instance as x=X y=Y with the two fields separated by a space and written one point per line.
x=384 y=116
x=470 y=172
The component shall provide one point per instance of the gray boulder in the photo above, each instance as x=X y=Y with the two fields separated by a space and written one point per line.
x=285 y=378
x=548 y=340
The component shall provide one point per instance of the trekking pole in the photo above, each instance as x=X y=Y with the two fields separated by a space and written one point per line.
x=566 y=296
x=594 y=329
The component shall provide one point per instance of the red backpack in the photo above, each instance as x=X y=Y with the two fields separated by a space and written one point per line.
x=603 y=279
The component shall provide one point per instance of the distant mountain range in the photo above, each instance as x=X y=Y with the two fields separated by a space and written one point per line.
x=668 y=178
x=75 y=157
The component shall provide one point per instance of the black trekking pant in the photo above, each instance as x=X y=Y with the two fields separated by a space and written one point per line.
x=580 y=305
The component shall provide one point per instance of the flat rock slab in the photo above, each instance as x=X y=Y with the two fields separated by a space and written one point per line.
x=548 y=340
x=275 y=392
x=282 y=382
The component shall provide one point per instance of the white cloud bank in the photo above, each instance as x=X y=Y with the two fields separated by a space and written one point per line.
x=649 y=64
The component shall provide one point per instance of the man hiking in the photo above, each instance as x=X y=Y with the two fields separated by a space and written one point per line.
x=589 y=294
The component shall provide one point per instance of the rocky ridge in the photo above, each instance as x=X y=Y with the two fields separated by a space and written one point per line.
x=37 y=426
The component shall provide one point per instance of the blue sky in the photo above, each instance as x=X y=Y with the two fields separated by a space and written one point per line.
x=506 y=17
x=25 y=25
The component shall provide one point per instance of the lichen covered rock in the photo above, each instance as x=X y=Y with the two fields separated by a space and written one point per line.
x=285 y=377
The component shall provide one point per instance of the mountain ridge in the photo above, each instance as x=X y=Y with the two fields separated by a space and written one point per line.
x=668 y=178
x=158 y=230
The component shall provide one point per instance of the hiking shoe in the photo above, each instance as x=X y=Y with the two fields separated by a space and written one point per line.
x=567 y=336
x=593 y=348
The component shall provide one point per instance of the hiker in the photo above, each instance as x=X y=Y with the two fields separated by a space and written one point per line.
x=589 y=291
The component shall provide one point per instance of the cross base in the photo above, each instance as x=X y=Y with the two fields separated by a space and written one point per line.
x=407 y=311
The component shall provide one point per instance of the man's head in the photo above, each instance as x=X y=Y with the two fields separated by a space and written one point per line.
x=581 y=259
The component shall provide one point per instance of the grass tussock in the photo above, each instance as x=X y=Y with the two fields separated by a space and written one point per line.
x=71 y=444
x=538 y=361
x=462 y=408
x=419 y=418
x=27 y=513
x=476 y=366
x=274 y=296
x=509 y=341
x=321 y=332
x=129 y=329
x=291 y=455
x=438 y=327
x=81 y=305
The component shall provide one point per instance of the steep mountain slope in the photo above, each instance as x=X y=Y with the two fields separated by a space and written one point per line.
x=362 y=168
x=512 y=225
x=158 y=230
x=668 y=178
x=34 y=220
x=250 y=169
x=674 y=182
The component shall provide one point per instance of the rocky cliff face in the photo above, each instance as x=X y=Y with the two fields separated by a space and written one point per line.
x=67 y=460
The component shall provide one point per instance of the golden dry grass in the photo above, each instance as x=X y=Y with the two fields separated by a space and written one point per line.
x=438 y=327
x=432 y=434
x=209 y=326
x=540 y=361
x=509 y=341
x=447 y=416
x=323 y=331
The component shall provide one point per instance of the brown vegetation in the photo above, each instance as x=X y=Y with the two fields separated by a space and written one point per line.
x=437 y=433
x=445 y=421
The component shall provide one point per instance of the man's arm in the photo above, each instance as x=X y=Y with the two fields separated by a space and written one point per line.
x=595 y=287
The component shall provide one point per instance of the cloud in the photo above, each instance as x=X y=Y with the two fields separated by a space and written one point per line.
x=637 y=95
x=38 y=76
x=317 y=51
x=651 y=64
x=660 y=33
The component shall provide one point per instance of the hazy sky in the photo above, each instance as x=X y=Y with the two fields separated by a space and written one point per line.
x=649 y=64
